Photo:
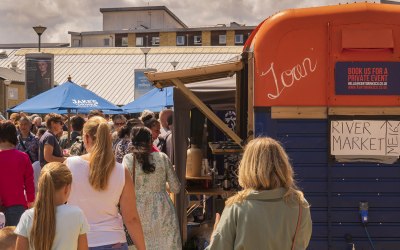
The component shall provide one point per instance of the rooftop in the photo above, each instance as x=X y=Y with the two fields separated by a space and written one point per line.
x=145 y=8
x=109 y=72
x=205 y=28
x=32 y=45
x=15 y=75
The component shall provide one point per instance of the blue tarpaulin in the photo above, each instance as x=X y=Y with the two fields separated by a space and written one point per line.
x=67 y=96
x=155 y=100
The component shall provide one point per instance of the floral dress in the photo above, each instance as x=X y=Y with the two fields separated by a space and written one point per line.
x=155 y=208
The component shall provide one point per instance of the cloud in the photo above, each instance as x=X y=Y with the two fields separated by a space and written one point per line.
x=17 y=17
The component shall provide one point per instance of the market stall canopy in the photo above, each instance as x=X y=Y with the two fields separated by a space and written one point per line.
x=67 y=97
x=155 y=100
x=207 y=88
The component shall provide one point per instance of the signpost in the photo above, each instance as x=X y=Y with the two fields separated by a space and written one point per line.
x=142 y=84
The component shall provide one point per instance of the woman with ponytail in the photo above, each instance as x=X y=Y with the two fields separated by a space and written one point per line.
x=52 y=224
x=100 y=185
x=151 y=172
x=270 y=212
x=149 y=120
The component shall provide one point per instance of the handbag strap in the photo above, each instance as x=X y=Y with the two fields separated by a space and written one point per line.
x=297 y=227
x=24 y=147
x=21 y=142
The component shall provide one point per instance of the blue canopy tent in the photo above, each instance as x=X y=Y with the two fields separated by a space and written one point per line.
x=66 y=98
x=155 y=100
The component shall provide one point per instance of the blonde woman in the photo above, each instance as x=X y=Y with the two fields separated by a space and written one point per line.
x=100 y=185
x=52 y=224
x=270 y=212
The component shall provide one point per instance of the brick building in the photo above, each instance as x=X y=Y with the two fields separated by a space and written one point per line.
x=154 y=26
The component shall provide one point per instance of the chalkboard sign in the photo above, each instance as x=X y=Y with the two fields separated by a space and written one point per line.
x=365 y=137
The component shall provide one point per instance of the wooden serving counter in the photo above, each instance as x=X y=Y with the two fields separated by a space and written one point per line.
x=224 y=148
x=208 y=177
x=209 y=191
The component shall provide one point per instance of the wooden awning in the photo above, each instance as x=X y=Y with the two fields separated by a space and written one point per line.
x=198 y=74
x=179 y=78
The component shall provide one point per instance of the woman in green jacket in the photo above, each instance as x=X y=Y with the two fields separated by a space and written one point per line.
x=270 y=212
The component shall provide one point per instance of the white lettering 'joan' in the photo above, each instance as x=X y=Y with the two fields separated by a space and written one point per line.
x=290 y=76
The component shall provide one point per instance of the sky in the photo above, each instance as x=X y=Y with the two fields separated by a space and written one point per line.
x=17 y=17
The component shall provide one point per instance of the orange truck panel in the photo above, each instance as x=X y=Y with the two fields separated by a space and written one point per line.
x=296 y=53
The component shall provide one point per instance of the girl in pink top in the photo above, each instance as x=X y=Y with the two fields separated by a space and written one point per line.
x=16 y=176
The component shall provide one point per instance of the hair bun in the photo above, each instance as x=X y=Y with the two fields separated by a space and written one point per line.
x=148 y=117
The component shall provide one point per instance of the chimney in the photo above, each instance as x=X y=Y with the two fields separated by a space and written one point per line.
x=235 y=24
x=3 y=54
x=14 y=65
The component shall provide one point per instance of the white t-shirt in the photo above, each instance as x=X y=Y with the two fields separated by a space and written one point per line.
x=36 y=173
x=70 y=223
x=99 y=207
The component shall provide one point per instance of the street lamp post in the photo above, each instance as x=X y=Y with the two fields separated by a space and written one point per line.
x=39 y=30
x=174 y=64
x=6 y=85
x=145 y=52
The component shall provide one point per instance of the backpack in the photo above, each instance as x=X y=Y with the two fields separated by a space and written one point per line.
x=162 y=142
x=77 y=148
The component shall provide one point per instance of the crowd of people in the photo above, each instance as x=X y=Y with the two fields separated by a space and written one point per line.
x=98 y=183
x=84 y=197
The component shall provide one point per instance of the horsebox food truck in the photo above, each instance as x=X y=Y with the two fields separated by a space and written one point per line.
x=325 y=82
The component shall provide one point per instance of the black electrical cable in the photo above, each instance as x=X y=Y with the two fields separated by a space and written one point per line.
x=369 y=237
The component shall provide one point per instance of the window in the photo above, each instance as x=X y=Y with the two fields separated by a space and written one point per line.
x=239 y=39
x=124 y=42
x=222 y=39
x=180 y=40
x=197 y=39
x=76 y=43
x=139 y=41
x=155 y=41
x=106 y=41
x=12 y=93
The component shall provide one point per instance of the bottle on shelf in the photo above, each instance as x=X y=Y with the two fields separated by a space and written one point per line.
x=193 y=161
x=226 y=181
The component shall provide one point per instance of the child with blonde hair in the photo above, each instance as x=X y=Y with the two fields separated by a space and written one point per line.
x=7 y=238
x=52 y=224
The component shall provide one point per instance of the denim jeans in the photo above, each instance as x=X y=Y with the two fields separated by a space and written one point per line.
x=116 y=246
x=13 y=214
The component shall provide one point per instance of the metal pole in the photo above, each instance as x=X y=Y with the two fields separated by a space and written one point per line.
x=145 y=61
x=69 y=125
x=39 y=30
x=39 y=41
x=5 y=100
x=6 y=83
